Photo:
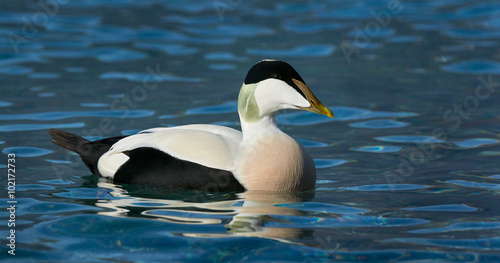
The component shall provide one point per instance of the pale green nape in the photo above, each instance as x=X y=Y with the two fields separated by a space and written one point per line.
x=247 y=105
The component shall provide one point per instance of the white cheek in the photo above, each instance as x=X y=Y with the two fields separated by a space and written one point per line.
x=273 y=95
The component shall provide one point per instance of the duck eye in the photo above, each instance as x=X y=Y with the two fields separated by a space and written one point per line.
x=276 y=76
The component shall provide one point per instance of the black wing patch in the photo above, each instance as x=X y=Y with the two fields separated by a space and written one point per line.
x=150 y=166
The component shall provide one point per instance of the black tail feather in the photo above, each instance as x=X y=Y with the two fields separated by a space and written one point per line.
x=68 y=141
x=90 y=152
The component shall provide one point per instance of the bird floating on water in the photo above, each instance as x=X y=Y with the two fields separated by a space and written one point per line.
x=212 y=157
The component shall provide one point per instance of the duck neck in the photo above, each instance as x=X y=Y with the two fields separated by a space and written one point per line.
x=253 y=124
x=264 y=126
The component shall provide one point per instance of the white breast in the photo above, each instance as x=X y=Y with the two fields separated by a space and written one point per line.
x=275 y=163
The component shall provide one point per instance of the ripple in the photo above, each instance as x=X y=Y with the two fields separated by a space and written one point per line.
x=344 y=221
x=57 y=161
x=88 y=229
x=325 y=163
x=68 y=44
x=5 y=103
x=46 y=94
x=299 y=8
x=170 y=49
x=196 y=20
x=222 y=66
x=379 y=124
x=496 y=176
x=59 y=115
x=94 y=105
x=28 y=187
x=167 y=116
x=316 y=50
x=12 y=17
x=116 y=96
x=226 y=107
x=444 y=208
x=385 y=187
x=8 y=58
x=488 y=186
x=76 y=69
x=472 y=143
x=480 y=243
x=37 y=88
x=309 y=143
x=57 y=182
x=324 y=207
x=476 y=66
x=490 y=153
x=104 y=54
x=44 y=75
x=341 y=114
x=32 y=206
x=230 y=30
x=34 y=127
x=364 y=45
x=87 y=193
x=190 y=217
x=478 y=10
x=409 y=139
x=382 y=33
x=471 y=33
x=142 y=77
x=325 y=181
x=459 y=227
x=404 y=39
x=224 y=56
x=15 y=70
x=315 y=27
x=160 y=34
x=77 y=20
x=26 y=151
x=378 y=149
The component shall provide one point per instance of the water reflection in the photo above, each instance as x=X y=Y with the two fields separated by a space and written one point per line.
x=243 y=214
x=286 y=217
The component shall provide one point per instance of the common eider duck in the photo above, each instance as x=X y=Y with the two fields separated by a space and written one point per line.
x=212 y=157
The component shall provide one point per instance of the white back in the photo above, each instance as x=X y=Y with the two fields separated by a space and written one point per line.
x=209 y=145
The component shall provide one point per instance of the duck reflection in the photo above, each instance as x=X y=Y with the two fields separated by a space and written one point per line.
x=242 y=214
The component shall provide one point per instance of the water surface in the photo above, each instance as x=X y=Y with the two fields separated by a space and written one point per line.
x=408 y=170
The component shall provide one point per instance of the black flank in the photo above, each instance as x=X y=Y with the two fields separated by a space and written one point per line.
x=150 y=166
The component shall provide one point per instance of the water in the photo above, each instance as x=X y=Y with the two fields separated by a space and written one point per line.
x=408 y=170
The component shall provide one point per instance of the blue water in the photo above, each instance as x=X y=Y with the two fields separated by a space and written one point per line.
x=408 y=170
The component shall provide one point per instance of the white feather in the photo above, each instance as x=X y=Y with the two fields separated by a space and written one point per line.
x=110 y=162
x=209 y=145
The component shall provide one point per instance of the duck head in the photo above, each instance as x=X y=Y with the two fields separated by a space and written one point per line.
x=272 y=85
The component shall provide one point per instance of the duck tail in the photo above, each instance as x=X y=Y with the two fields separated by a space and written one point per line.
x=79 y=145
x=90 y=152
x=68 y=141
